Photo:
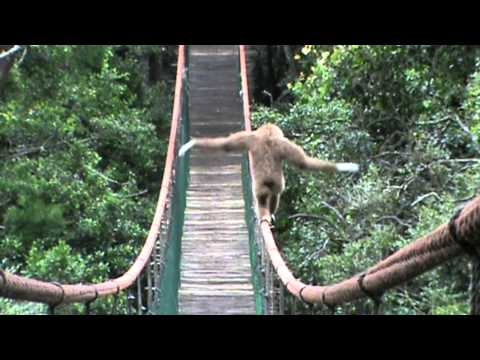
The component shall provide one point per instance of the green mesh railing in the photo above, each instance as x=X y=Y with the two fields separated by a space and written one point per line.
x=169 y=282
x=258 y=280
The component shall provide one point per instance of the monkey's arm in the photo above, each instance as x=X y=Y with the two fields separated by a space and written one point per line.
x=235 y=142
x=295 y=155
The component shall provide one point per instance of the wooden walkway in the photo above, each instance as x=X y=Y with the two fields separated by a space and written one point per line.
x=215 y=265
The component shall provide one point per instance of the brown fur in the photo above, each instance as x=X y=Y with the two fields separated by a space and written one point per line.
x=269 y=149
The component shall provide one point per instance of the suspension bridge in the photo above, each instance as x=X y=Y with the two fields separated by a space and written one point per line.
x=206 y=251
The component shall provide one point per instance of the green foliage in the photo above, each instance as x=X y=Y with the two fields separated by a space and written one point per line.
x=34 y=219
x=402 y=113
x=82 y=140
x=472 y=102
x=56 y=263
x=11 y=307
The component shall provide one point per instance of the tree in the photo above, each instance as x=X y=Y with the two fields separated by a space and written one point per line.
x=82 y=141
x=401 y=112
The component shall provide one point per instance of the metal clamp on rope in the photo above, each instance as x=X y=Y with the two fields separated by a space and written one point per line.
x=453 y=232
x=376 y=298
x=267 y=221
x=115 y=296
x=89 y=302
x=329 y=306
x=51 y=307
x=303 y=299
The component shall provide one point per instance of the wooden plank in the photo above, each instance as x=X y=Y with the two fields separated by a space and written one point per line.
x=215 y=264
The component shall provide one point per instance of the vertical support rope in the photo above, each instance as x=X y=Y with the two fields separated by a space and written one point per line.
x=149 y=283
x=139 y=295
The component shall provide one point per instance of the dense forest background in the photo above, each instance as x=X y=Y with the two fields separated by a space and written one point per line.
x=83 y=138
x=410 y=116
x=83 y=133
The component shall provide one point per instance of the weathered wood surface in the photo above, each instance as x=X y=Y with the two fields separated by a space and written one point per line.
x=215 y=265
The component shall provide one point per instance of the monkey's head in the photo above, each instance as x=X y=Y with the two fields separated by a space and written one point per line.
x=270 y=130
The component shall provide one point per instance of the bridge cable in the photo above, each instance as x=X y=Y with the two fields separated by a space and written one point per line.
x=453 y=232
x=376 y=298
x=330 y=307
x=87 y=304
x=51 y=307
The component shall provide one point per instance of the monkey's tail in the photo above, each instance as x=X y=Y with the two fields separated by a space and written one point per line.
x=347 y=167
x=186 y=147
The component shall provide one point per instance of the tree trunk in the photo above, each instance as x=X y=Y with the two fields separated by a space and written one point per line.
x=5 y=66
x=156 y=70
x=290 y=60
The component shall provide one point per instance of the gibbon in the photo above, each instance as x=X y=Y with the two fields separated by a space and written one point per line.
x=269 y=149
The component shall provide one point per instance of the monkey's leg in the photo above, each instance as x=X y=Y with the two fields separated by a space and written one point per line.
x=274 y=202
x=263 y=207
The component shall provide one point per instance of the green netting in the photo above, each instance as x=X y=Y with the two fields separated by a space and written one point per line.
x=250 y=218
x=167 y=303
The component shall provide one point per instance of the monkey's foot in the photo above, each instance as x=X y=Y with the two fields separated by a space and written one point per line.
x=268 y=221
x=347 y=167
x=186 y=147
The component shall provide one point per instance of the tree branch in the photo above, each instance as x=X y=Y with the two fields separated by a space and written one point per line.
x=392 y=217
x=465 y=128
x=10 y=52
x=305 y=216
x=398 y=153
x=44 y=147
x=140 y=193
x=443 y=161
x=423 y=197
x=334 y=210
x=92 y=170
x=444 y=119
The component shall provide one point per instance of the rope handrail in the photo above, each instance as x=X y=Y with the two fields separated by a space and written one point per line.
x=54 y=294
x=407 y=263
